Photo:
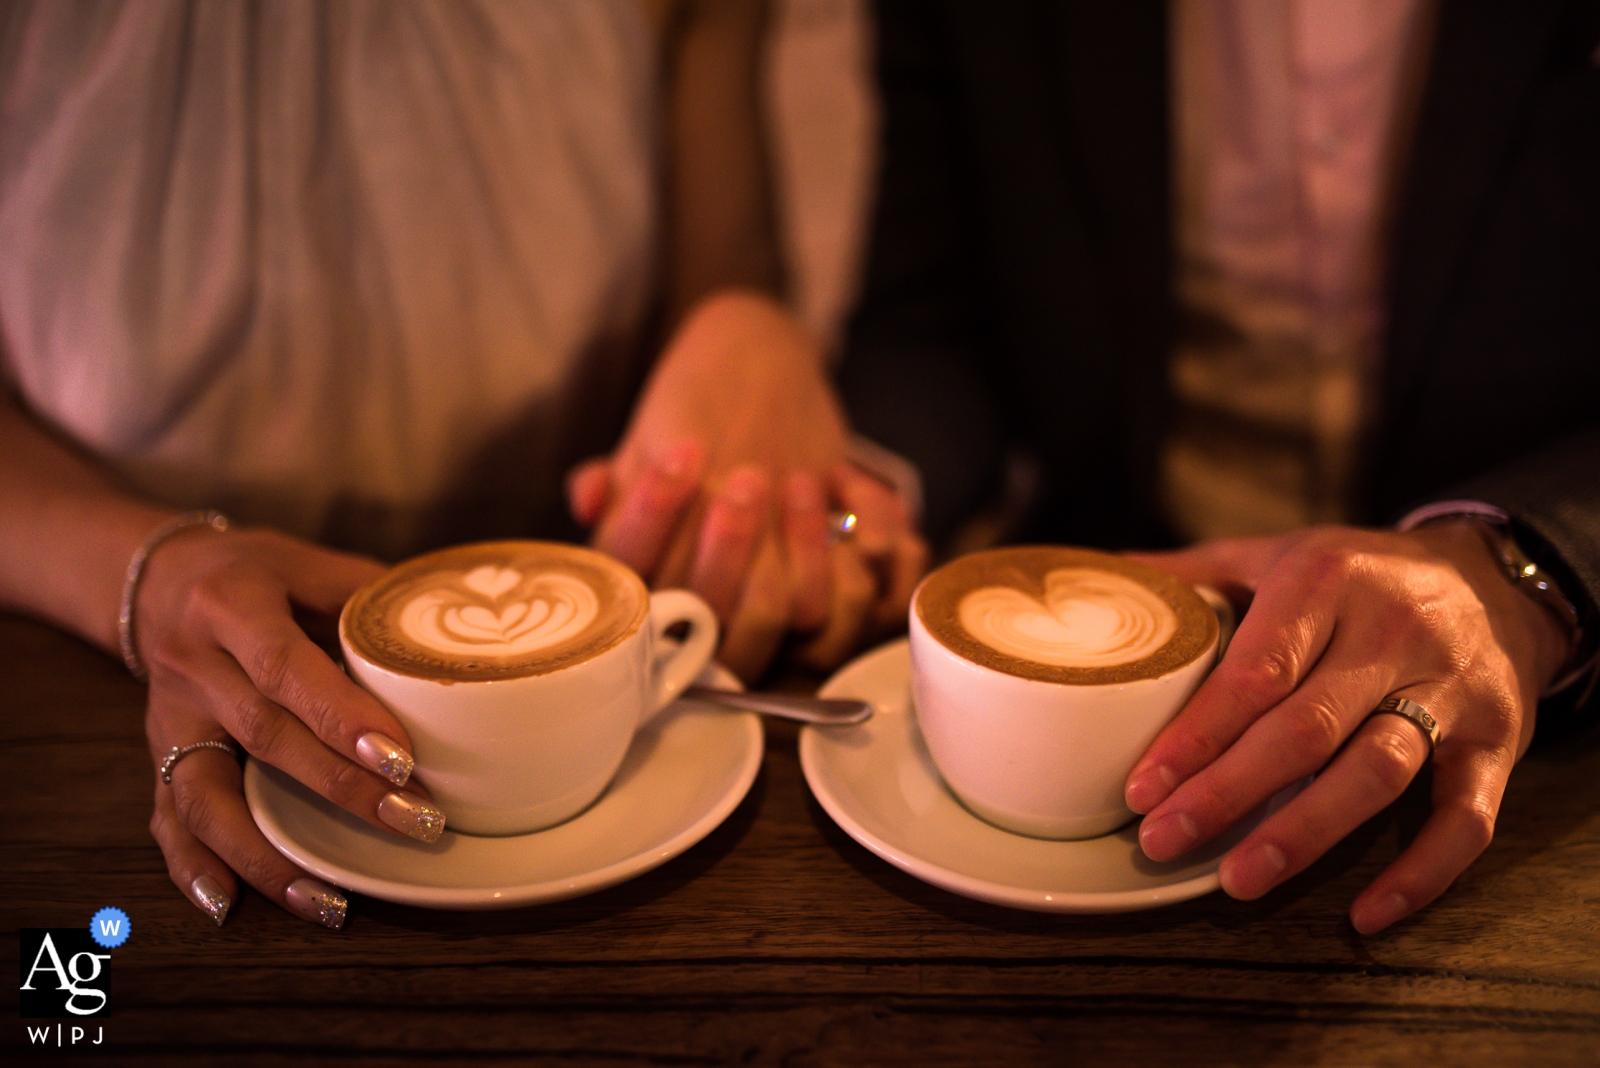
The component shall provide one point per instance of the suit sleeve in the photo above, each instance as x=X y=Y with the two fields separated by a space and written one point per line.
x=1553 y=498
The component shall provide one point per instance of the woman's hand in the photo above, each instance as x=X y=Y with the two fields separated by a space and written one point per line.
x=723 y=484
x=217 y=632
x=1338 y=620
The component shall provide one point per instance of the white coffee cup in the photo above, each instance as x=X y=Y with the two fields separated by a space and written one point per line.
x=1041 y=758
x=514 y=755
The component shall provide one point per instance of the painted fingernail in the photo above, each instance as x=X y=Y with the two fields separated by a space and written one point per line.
x=1150 y=788
x=1376 y=915
x=383 y=755
x=411 y=816
x=1168 y=837
x=1251 y=875
x=207 y=893
x=314 y=900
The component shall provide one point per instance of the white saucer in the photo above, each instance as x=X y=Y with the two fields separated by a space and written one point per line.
x=878 y=782
x=683 y=776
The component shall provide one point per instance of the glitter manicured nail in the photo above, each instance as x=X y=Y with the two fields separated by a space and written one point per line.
x=207 y=893
x=383 y=755
x=411 y=816
x=318 y=902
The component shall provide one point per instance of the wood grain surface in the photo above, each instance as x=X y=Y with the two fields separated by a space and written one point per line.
x=779 y=940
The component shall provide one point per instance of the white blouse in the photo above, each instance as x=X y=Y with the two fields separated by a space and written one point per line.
x=353 y=269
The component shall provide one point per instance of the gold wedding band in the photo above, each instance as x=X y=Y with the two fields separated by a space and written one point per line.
x=1400 y=706
x=178 y=752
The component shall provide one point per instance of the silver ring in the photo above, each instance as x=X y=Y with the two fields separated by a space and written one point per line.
x=1400 y=706
x=178 y=752
x=841 y=525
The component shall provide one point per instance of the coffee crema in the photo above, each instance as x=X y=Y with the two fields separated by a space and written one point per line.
x=495 y=610
x=1065 y=615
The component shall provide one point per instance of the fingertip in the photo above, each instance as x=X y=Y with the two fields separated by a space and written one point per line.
x=1371 y=914
x=588 y=489
x=1249 y=871
x=1148 y=787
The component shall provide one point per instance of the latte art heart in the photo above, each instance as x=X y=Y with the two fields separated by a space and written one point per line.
x=499 y=612
x=1088 y=618
x=491 y=581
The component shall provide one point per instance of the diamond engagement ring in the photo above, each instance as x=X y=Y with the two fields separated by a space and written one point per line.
x=178 y=752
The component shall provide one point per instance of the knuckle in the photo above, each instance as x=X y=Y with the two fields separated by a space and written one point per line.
x=195 y=809
x=1268 y=678
x=163 y=654
x=1391 y=760
x=255 y=723
x=1215 y=804
x=321 y=716
x=1197 y=749
x=1326 y=556
x=263 y=871
x=1477 y=820
x=209 y=597
x=1314 y=733
x=269 y=665
x=345 y=784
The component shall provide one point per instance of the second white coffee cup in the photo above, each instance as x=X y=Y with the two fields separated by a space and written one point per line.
x=1040 y=758
x=515 y=755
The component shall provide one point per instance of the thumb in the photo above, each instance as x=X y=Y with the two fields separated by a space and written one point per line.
x=1233 y=566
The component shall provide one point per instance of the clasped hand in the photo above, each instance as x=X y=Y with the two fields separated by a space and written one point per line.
x=734 y=457
x=1338 y=619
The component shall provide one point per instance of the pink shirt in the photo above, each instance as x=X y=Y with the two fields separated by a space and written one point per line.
x=1287 y=113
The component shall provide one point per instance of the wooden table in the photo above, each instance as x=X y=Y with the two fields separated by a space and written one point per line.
x=779 y=940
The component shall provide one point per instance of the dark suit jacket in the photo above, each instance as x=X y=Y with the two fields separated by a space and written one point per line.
x=1019 y=289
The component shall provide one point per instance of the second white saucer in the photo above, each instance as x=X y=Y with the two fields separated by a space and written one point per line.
x=877 y=781
x=682 y=777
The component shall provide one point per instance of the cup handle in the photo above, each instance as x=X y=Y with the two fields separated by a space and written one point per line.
x=671 y=675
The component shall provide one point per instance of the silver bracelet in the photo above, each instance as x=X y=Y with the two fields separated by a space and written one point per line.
x=130 y=582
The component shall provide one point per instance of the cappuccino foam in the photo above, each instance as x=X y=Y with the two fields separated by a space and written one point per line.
x=495 y=610
x=1065 y=615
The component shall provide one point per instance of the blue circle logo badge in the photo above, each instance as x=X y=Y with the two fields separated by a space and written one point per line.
x=110 y=928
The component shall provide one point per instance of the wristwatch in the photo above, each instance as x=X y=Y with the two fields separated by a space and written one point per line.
x=1526 y=575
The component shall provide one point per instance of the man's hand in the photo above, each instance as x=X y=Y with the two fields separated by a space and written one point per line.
x=1338 y=620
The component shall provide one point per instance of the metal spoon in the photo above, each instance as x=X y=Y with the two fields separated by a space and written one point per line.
x=825 y=711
